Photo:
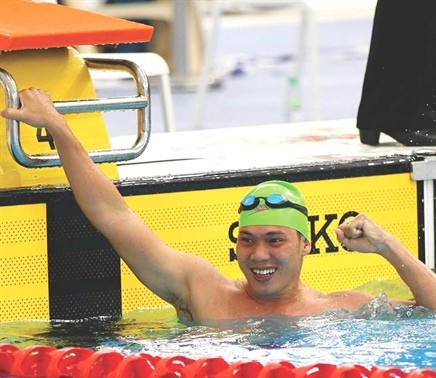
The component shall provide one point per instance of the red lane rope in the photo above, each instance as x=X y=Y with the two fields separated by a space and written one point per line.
x=48 y=362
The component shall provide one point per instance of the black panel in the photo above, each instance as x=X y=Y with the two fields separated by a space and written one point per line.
x=84 y=270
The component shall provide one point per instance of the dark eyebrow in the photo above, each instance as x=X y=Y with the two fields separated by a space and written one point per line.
x=271 y=233
x=246 y=233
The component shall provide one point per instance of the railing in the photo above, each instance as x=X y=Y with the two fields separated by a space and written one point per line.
x=140 y=102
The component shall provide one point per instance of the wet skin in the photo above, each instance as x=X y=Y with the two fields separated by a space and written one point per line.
x=271 y=259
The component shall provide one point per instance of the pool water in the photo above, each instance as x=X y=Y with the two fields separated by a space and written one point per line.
x=376 y=335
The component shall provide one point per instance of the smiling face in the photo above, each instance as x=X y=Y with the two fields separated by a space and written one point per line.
x=271 y=258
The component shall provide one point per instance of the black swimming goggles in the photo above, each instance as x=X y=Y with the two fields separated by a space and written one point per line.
x=274 y=201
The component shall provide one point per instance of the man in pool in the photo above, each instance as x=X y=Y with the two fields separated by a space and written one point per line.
x=272 y=242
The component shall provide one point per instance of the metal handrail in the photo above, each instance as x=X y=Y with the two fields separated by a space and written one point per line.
x=140 y=102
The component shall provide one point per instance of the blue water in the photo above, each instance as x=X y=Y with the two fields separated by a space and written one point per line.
x=376 y=335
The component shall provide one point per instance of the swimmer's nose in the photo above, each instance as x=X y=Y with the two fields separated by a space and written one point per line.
x=260 y=252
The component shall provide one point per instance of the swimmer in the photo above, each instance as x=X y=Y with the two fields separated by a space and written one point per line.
x=272 y=242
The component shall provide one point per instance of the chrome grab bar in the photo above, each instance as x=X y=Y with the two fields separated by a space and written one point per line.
x=141 y=103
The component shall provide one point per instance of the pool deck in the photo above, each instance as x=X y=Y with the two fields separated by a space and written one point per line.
x=256 y=147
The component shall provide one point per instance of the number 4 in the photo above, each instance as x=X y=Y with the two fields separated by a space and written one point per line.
x=45 y=137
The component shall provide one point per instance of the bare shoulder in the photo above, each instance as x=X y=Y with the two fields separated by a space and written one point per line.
x=349 y=299
x=210 y=292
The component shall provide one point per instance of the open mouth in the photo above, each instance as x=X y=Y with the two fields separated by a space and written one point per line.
x=264 y=274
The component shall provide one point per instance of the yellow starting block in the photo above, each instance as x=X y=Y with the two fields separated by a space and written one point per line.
x=36 y=52
x=64 y=74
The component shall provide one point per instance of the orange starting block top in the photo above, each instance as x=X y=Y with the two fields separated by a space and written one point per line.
x=26 y=24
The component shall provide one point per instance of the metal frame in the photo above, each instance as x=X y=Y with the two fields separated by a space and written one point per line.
x=140 y=102
x=425 y=170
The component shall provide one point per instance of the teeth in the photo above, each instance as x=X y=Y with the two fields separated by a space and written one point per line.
x=264 y=272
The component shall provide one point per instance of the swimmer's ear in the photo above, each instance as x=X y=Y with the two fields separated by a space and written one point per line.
x=307 y=248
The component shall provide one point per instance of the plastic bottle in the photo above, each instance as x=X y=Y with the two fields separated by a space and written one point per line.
x=293 y=111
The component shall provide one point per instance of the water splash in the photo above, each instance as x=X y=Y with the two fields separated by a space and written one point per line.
x=377 y=334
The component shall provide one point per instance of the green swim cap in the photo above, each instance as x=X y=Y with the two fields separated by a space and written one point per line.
x=260 y=213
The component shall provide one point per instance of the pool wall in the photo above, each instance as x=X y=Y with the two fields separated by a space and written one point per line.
x=55 y=265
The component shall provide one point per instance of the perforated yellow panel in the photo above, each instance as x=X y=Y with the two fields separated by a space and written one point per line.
x=198 y=222
x=23 y=262
x=390 y=200
x=202 y=223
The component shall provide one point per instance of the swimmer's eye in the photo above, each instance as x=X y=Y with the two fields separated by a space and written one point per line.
x=246 y=240
x=276 y=240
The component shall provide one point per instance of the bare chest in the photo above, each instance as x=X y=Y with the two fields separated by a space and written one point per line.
x=236 y=304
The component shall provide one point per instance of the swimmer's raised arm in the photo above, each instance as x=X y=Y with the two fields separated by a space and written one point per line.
x=363 y=235
x=162 y=269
